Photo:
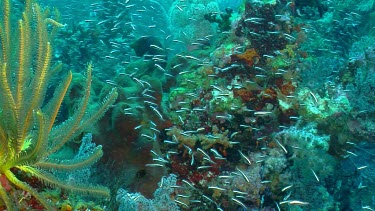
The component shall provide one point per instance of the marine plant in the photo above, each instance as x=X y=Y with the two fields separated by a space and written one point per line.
x=30 y=134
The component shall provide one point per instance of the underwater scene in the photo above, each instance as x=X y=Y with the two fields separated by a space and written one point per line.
x=166 y=105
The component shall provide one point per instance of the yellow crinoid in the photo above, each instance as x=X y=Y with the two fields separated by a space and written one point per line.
x=29 y=135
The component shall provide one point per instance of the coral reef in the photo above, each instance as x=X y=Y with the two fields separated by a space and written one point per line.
x=222 y=105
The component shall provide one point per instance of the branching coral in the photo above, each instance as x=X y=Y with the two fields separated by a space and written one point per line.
x=186 y=19
x=207 y=141
x=28 y=133
x=163 y=197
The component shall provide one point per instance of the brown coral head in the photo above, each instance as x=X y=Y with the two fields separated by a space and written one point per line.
x=249 y=57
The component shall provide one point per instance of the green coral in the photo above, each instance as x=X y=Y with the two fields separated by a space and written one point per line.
x=224 y=104
x=317 y=108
